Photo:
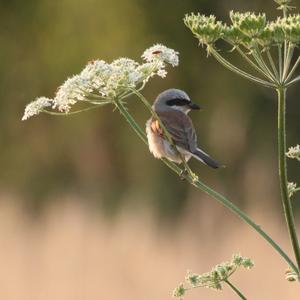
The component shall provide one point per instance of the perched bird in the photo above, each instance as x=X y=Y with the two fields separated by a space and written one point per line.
x=172 y=107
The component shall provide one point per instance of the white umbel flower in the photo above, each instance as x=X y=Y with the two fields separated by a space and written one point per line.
x=35 y=107
x=162 y=73
x=73 y=89
x=96 y=73
x=161 y=53
x=102 y=83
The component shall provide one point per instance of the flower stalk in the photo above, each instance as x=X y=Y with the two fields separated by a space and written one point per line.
x=286 y=201
x=236 y=290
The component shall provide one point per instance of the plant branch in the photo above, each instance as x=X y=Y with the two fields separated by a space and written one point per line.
x=296 y=79
x=252 y=63
x=259 y=59
x=280 y=61
x=286 y=202
x=269 y=55
x=289 y=56
x=238 y=71
x=293 y=69
x=73 y=112
x=236 y=290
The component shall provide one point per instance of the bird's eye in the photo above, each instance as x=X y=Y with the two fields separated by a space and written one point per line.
x=178 y=102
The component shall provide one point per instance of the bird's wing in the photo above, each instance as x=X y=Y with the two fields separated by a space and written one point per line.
x=181 y=128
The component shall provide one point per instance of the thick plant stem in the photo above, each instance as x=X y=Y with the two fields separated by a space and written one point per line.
x=286 y=202
x=237 y=291
x=200 y=185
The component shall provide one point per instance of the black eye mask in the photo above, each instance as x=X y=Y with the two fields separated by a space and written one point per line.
x=178 y=102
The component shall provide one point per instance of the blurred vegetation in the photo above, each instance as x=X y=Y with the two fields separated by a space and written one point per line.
x=95 y=155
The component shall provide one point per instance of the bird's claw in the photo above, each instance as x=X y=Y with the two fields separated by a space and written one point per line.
x=183 y=174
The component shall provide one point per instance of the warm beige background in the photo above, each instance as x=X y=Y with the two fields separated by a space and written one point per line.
x=85 y=211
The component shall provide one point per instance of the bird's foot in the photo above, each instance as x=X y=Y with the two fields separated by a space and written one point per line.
x=184 y=172
x=188 y=173
x=195 y=178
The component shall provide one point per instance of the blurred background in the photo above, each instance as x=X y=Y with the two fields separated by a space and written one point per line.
x=85 y=211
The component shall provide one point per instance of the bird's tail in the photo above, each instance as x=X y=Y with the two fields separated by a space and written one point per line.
x=206 y=159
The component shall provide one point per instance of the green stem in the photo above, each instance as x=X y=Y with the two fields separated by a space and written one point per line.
x=260 y=61
x=273 y=64
x=296 y=79
x=73 y=112
x=237 y=291
x=141 y=134
x=286 y=202
x=289 y=56
x=238 y=71
x=252 y=63
x=293 y=69
x=200 y=185
x=280 y=61
x=284 y=12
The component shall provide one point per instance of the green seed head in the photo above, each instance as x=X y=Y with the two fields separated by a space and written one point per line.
x=205 y=28
x=251 y=24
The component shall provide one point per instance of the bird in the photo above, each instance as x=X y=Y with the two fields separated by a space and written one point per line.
x=172 y=107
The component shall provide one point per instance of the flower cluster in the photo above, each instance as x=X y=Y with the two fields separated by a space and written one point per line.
x=291 y=28
x=294 y=152
x=101 y=82
x=292 y=188
x=247 y=29
x=215 y=277
x=251 y=24
x=205 y=28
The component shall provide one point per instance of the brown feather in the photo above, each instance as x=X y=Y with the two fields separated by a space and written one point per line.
x=180 y=127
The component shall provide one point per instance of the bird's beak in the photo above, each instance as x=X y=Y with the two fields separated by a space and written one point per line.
x=194 y=106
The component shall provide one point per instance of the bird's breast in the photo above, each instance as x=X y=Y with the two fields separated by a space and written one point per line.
x=159 y=146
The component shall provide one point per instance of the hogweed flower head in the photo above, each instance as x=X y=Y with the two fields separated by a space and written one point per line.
x=247 y=29
x=213 y=279
x=205 y=28
x=291 y=28
x=234 y=36
x=101 y=82
x=251 y=24
x=294 y=152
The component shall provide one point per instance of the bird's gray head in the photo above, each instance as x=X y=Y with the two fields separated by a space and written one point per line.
x=174 y=99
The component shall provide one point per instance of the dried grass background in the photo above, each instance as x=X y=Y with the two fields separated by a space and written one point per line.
x=72 y=253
